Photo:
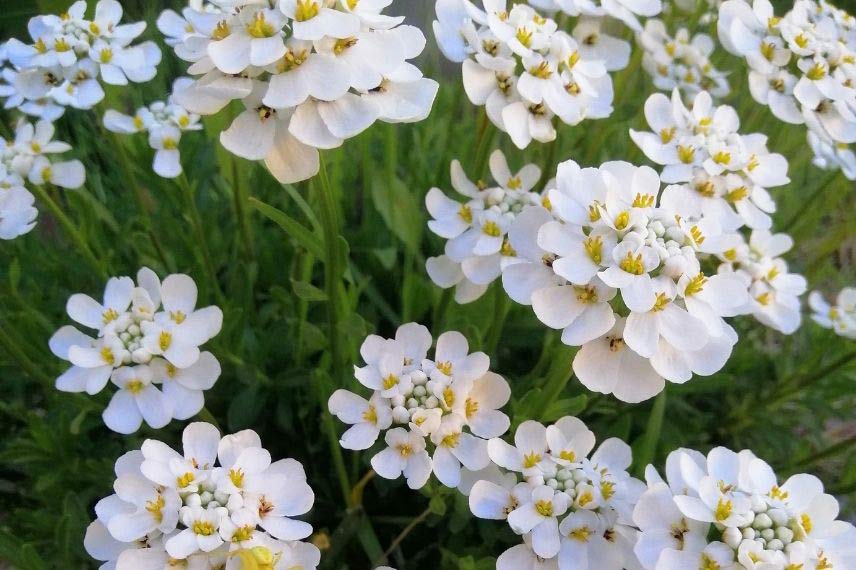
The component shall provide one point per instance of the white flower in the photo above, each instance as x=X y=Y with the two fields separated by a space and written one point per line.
x=131 y=331
x=165 y=121
x=405 y=455
x=17 y=214
x=728 y=509
x=367 y=418
x=29 y=157
x=69 y=55
x=841 y=316
x=310 y=74
x=571 y=511
x=481 y=231
x=174 y=508
x=449 y=404
x=559 y=76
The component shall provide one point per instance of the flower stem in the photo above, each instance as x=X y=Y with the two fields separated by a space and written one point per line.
x=500 y=310
x=71 y=230
x=332 y=275
x=201 y=236
x=403 y=534
x=18 y=355
x=240 y=196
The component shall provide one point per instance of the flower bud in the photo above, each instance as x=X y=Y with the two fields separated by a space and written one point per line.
x=732 y=537
x=784 y=534
x=400 y=415
x=762 y=521
x=397 y=400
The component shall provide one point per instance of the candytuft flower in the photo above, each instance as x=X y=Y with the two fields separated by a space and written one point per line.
x=571 y=510
x=310 y=74
x=147 y=342
x=164 y=121
x=221 y=501
x=440 y=411
x=729 y=510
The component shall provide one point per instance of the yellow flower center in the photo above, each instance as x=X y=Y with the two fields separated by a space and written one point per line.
x=607 y=489
x=390 y=381
x=177 y=317
x=696 y=235
x=586 y=294
x=524 y=36
x=696 y=285
x=156 y=508
x=621 y=220
x=581 y=534
x=686 y=154
x=445 y=368
x=370 y=415
x=531 y=460
x=107 y=356
x=135 y=386
x=243 y=534
x=203 y=528
x=544 y=508
x=666 y=135
x=306 y=10
x=221 y=30
x=471 y=407
x=185 y=480
x=451 y=440
x=491 y=228
x=723 y=510
x=632 y=264
x=722 y=157
x=405 y=450
x=260 y=27
x=236 y=476
x=109 y=316
x=164 y=340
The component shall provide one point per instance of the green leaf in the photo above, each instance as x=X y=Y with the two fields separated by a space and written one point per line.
x=648 y=448
x=401 y=211
x=437 y=504
x=307 y=291
x=246 y=407
x=565 y=407
x=292 y=227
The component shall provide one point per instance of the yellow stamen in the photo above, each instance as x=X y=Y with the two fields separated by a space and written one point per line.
x=306 y=10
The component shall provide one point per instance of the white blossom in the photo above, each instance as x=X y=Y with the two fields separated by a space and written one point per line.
x=68 y=56
x=309 y=73
x=571 y=510
x=190 y=508
x=147 y=341
x=729 y=510
x=840 y=316
x=436 y=414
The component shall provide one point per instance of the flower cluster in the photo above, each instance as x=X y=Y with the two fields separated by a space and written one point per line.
x=164 y=121
x=68 y=56
x=148 y=333
x=27 y=158
x=310 y=73
x=523 y=70
x=728 y=510
x=680 y=62
x=573 y=511
x=433 y=402
x=614 y=232
x=478 y=245
x=840 y=317
x=802 y=65
x=773 y=291
x=724 y=176
x=186 y=510
x=627 y=11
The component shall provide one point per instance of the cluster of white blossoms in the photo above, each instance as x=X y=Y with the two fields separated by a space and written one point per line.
x=574 y=512
x=627 y=11
x=449 y=405
x=164 y=121
x=70 y=54
x=478 y=230
x=616 y=266
x=525 y=71
x=220 y=503
x=724 y=176
x=802 y=65
x=840 y=317
x=773 y=292
x=728 y=511
x=28 y=159
x=681 y=62
x=310 y=73
x=148 y=334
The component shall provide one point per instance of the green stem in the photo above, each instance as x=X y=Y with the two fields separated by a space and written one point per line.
x=330 y=225
x=403 y=534
x=19 y=356
x=482 y=145
x=201 y=236
x=648 y=449
x=240 y=197
x=830 y=451
x=71 y=230
x=500 y=310
x=810 y=199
